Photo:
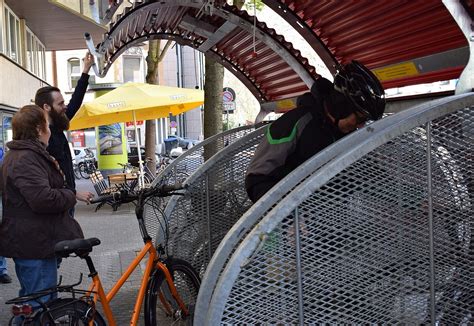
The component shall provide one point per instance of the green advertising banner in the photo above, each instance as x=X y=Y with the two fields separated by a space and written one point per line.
x=111 y=139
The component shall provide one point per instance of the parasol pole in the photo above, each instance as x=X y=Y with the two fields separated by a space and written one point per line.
x=141 y=181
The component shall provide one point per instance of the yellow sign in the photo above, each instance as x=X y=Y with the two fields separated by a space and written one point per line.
x=285 y=105
x=406 y=69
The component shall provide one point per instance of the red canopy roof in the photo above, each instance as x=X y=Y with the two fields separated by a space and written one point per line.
x=404 y=42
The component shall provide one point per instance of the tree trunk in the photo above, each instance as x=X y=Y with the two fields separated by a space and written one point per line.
x=213 y=85
x=153 y=59
x=151 y=78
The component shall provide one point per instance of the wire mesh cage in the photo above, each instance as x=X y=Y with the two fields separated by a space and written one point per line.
x=215 y=199
x=180 y=169
x=385 y=237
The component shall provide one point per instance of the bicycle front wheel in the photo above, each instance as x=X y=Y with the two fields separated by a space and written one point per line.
x=71 y=312
x=187 y=283
x=83 y=170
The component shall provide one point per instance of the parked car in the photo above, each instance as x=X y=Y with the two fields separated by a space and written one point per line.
x=184 y=143
x=133 y=155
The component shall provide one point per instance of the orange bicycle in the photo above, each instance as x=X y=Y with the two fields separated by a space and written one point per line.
x=166 y=280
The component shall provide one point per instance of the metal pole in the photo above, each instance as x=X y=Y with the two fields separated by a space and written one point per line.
x=208 y=213
x=141 y=181
x=298 y=267
x=430 y=223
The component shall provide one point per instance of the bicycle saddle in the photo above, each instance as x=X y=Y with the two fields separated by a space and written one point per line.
x=80 y=247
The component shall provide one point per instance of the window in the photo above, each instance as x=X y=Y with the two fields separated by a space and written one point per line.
x=1 y=30
x=35 y=58
x=74 y=71
x=6 y=132
x=12 y=33
x=131 y=69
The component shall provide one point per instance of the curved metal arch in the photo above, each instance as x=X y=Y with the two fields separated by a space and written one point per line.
x=120 y=38
x=252 y=87
x=304 y=30
x=327 y=164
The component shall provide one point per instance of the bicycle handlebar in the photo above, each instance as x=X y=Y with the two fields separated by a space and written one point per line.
x=127 y=197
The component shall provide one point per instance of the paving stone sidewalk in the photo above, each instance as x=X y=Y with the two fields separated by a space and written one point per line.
x=120 y=241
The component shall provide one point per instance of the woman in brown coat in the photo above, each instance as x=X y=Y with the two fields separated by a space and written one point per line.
x=35 y=203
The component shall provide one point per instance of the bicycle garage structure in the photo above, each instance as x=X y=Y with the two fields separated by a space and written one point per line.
x=372 y=262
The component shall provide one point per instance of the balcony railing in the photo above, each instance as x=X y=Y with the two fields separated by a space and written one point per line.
x=99 y=11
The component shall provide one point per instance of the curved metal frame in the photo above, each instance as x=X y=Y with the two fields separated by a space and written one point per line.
x=171 y=168
x=343 y=154
x=230 y=14
x=304 y=30
x=199 y=175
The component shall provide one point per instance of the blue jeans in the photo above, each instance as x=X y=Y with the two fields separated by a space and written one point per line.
x=3 y=265
x=36 y=275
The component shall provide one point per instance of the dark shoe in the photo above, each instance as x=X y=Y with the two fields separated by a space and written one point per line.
x=5 y=278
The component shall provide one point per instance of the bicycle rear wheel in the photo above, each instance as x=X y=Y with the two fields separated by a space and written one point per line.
x=77 y=173
x=71 y=312
x=186 y=281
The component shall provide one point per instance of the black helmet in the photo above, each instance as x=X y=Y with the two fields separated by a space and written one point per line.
x=361 y=86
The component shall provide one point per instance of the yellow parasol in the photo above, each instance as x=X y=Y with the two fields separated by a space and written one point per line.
x=136 y=101
x=146 y=101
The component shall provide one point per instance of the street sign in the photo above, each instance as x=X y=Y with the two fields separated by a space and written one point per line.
x=228 y=95
x=228 y=100
x=228 y=107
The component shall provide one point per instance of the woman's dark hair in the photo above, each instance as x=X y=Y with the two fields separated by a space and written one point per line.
x=44 y=95
x=26 y=121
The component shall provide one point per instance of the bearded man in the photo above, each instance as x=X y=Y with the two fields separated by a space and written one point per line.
x=51 y=100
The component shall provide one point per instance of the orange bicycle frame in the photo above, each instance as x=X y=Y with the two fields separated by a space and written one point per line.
x=105 y=299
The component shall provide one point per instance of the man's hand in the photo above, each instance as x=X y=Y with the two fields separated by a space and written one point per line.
x=88 y=62
x=84 y=196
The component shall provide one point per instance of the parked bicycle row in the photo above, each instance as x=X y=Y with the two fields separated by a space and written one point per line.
x=88 y=164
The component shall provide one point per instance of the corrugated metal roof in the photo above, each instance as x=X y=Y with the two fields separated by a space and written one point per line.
x=403 y=41
x=413 y=37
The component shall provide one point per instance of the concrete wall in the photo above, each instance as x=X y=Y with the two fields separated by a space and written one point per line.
x=17 y=86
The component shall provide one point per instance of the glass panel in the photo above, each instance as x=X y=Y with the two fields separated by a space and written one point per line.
x=74 y=80
x=13 y=48
x=42 y=63
x=74 y=71
x=75 y=67
x=17 y=41
x=35 y=56
x=7 y=132
x=29 y=51
x=131 y=69
x=1 y=32
x=7 y=33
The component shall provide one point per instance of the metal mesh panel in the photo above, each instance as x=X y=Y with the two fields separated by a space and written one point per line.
x=180 y=169
x=365 y=246
x=453 y=214
x=193 y=158
x=215 y=200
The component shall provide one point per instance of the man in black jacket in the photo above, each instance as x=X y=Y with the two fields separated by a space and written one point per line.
x=322 y=117
x=51 y=100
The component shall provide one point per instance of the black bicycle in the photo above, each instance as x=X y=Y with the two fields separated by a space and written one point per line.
x=88 y=166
